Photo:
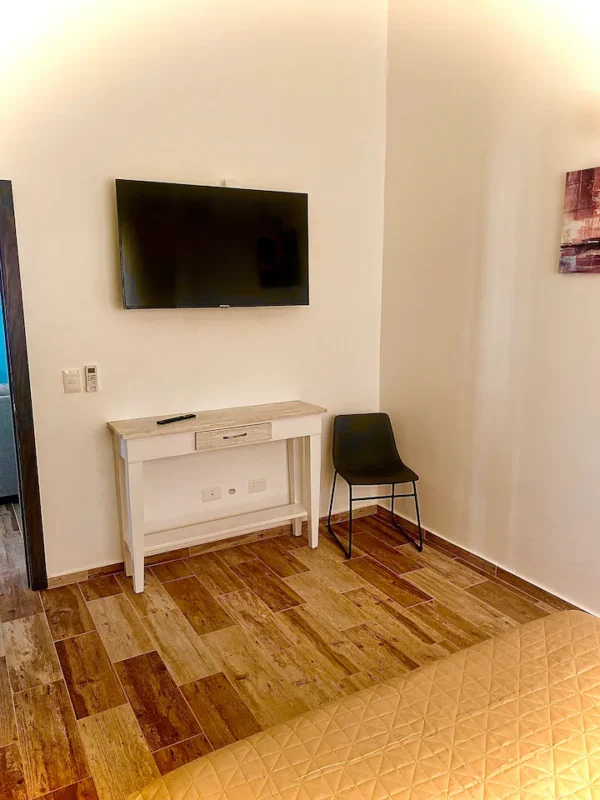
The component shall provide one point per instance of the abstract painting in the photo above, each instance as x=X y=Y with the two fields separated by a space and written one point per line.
x=580 y=246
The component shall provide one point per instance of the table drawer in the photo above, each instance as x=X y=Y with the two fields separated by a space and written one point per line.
x=233 y=437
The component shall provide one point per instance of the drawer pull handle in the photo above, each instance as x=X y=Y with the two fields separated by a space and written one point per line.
x=236 y=435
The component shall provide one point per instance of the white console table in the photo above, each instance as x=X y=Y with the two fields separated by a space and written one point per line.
x=139 y=440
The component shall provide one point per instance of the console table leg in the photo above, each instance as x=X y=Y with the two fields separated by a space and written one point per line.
x=127 y=561
x=134 y=474
x=313 y=468
x=295 y=478
x=122 y=507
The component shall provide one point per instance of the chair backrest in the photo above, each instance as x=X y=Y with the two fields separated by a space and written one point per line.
x=363 y=441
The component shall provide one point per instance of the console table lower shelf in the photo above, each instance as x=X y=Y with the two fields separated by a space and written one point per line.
x=139 y=440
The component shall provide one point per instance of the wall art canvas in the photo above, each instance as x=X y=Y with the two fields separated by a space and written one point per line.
x=580 y=246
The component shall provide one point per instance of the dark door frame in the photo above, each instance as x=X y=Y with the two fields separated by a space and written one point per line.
x=20 y=391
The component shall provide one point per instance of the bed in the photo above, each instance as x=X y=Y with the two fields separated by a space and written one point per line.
x=517 y=716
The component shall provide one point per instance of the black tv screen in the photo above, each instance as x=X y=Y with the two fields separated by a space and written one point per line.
x=206 y=246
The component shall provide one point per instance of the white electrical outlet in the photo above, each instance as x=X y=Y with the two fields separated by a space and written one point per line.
x=212 y=493
x=257 y=485
x=71 y=380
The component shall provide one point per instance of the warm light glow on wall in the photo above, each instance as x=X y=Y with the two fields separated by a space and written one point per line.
x=39 y=30
x=24 y=23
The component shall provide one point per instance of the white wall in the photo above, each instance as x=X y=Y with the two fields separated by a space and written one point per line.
x=267 y=94
x=490 y=358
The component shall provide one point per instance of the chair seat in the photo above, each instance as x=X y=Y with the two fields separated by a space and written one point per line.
x=390 y=473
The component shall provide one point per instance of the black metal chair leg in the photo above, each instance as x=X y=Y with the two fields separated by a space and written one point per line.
x=420 y=545
x=347 y=553
x=331 y=501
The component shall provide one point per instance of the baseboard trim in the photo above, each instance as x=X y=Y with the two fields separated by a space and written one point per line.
x=103 y=570
x=486 y=568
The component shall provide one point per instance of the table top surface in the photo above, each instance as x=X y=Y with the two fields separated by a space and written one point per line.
x=213 y=420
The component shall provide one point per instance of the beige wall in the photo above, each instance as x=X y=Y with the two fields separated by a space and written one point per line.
x=263 y=93
x=490 y=358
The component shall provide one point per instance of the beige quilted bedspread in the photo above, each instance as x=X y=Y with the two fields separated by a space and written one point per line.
x=514 y=717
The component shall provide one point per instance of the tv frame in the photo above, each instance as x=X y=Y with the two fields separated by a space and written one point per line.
x=224 y=305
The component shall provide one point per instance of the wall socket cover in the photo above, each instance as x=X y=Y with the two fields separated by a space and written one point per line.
x=211 y=493
x=257 y=485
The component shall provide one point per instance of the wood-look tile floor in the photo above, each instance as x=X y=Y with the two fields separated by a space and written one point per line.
x=102 y=690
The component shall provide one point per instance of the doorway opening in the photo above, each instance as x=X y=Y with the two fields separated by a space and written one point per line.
x=22 y=557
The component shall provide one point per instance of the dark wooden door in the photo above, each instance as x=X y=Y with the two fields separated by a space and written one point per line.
x=20 y=390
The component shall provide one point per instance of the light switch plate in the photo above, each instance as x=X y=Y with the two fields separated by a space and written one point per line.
x=71 y=380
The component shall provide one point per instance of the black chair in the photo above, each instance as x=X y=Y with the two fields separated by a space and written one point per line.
x=365 y=454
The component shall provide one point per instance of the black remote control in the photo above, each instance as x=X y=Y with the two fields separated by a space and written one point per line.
x=174 y=419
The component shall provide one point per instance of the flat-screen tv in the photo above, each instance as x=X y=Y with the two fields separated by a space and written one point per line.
x=207 y=246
